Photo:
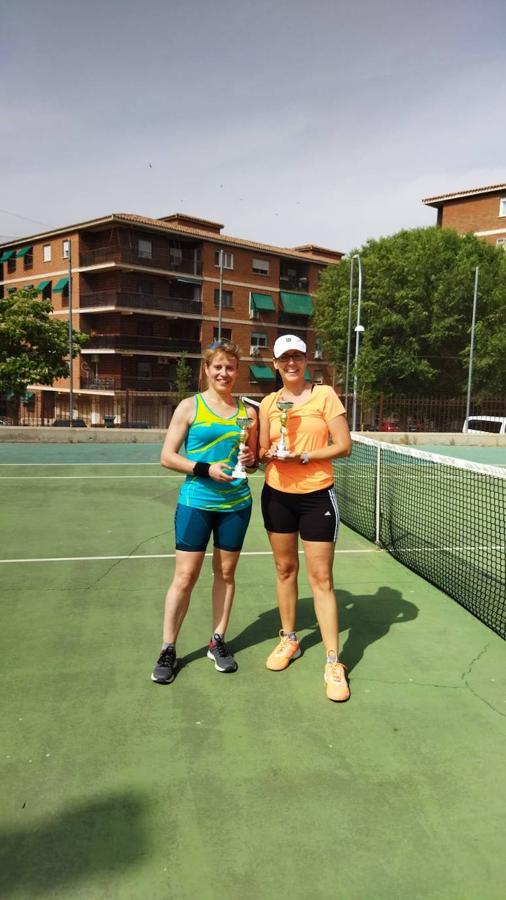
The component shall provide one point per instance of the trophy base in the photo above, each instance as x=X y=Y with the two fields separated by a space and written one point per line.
x=282 y=454
x=239 y=473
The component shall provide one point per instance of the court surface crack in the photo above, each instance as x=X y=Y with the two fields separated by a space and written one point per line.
x=472 y=690
x=132 y=552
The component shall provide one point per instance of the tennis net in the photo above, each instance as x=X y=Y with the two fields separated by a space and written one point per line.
x=444 y=518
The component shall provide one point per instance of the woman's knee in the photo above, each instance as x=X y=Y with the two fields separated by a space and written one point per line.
x=287 y=569
x=321 y=581
x=185 y=579
x=225 y=569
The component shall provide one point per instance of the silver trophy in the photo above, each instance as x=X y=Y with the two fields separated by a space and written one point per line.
x=284 y=406
x=244 y=423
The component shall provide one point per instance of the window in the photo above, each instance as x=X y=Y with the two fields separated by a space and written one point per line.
x=145 y=287
x=11 y=264
x=502 y=206
x=47 y=253
x=318 y=376
x=66 y=249
x=144 y=249
x=501 y=243
x=228 y=259
x=28 y=260
x=175 y=257
x=144 y=370
x=260 y=266
x=258 y=340
x=226 y=298
x=226 y=334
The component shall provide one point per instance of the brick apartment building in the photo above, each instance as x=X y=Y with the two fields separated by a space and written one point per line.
x=145 y=290
x=480 y=210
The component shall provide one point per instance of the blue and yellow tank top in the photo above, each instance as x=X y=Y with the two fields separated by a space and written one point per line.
x=213 y=439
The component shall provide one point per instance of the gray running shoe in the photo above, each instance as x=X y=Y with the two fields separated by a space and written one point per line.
x=221 y=655
x=165 y=669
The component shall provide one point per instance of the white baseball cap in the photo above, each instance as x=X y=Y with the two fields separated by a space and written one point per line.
x=288 y=342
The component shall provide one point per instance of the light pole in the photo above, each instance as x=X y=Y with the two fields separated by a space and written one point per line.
x=71 y=375
x=358 y=329
x=220 y=293
x=348 y=344
x=471 y=351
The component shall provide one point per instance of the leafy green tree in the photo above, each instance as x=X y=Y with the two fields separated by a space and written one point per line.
x=33 y=346
x=183 y=378
x=417 y=301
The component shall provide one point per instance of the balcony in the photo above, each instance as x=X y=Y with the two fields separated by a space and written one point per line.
x=92 y=382
x=130 y=300
x=188 y=262
x=158 y=344
x=294 y=282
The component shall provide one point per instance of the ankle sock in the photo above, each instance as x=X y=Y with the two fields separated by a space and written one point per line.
x=291 y=635
x=166 y=645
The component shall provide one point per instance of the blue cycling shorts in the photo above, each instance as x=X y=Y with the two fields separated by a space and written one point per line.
x=194 y=528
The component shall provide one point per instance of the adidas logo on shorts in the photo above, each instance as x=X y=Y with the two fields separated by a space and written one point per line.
x=327 y=513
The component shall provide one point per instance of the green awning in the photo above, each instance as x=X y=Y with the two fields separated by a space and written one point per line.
x=7 y=254
x=296 y=304
x=262 y=373
x=42 y=286
x=62 y=284
x=23 y=252
x=307 y=375
x=27 y=397
x=263 y=301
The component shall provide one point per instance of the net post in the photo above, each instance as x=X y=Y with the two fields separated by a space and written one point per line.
x=378 y=497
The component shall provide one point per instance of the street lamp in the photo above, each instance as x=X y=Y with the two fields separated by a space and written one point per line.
x=220 y=293
x=471 y=349
x=358 y=329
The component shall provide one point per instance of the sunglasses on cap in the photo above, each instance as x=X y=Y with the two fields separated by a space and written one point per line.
x=219 y=342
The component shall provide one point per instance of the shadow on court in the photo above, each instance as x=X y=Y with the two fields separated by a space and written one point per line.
x=366 y=617
x=97 y=838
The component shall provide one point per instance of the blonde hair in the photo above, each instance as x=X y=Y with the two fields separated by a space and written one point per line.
x=221 y=346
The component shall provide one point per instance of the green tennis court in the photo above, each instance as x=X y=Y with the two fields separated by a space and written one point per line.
x=250 y=785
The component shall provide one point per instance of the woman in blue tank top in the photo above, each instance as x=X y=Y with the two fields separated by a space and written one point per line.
x=210 y=501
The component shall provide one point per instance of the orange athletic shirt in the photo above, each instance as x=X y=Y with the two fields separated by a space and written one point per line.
x=307 y=430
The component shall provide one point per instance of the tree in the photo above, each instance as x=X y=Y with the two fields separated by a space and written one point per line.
x=33 y=346
x=183 y=378
x=417 y=308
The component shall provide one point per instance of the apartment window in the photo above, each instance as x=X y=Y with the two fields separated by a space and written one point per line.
x=47 y=253
x=228 y=259
x=144 y=370
x=11 y=264
x=258 y=340
x=144 y=249
x=175 y=257
x=226 y=298
x=66 y=249
x=145 y=287
x=226 y=334
x=260 y=266
x=28 y=260
x=502 y=206
x=501 y=243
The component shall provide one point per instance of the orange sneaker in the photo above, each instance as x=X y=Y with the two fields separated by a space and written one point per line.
x=336 y=680
x=282 y=656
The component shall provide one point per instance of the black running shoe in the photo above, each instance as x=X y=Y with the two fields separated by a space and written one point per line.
x=165 y=669
x=221 y=654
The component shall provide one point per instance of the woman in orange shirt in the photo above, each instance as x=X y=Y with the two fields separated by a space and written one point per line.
x=299 y=498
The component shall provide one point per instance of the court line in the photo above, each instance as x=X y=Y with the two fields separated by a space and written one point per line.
x=83 y=477
x=154 y=556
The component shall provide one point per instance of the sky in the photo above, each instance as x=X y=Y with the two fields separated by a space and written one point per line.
x=289 y=121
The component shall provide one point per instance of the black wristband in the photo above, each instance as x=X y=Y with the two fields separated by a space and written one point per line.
x=201 y=469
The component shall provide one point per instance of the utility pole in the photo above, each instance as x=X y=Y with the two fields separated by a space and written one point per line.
x=220 y=296
x=71 y=376
x=471 y=351
x=358 y=330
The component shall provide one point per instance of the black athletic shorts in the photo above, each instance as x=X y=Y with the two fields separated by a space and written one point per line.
x=314 y=515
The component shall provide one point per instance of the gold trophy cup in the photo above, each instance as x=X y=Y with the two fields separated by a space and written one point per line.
x=284 y=406
x=244 y=423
